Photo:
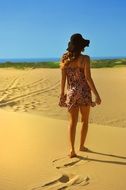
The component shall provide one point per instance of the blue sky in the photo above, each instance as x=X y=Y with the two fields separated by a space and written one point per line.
x=42 y=28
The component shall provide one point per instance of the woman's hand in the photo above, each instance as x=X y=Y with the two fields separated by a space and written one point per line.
x=93 y=104
x=62 y=101
x=98 y=100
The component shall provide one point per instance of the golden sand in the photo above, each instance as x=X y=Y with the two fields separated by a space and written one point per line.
x=37 y=91
x=34 y=145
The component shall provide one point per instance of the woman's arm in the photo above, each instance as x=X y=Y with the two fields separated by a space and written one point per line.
x=89 y=79
x=63 y=81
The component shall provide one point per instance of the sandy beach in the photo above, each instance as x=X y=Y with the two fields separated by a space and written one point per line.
x=33 y=133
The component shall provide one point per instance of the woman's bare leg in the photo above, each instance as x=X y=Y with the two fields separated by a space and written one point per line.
x=85 y=110
x=73 y=117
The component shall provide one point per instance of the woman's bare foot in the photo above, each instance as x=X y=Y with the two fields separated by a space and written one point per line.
x=85 y=149
x=72 y=154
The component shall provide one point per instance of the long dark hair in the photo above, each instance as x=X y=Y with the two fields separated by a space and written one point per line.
x=68 y=57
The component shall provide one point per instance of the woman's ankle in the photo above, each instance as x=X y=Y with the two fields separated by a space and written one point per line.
x=72 y=150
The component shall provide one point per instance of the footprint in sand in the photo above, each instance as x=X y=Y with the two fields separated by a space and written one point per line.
x=67 y=180
x=64 y=182
x=65 y=162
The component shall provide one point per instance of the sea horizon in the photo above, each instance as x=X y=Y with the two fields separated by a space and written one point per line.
x=52 y=59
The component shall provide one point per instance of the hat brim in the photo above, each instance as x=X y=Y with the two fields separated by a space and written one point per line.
x=85 y=42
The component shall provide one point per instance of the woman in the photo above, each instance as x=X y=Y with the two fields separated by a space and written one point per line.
x=75 y=67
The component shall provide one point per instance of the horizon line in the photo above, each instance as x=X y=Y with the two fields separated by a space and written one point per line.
x=59 y=57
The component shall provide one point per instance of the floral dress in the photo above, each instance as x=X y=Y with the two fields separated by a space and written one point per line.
x=78 y=90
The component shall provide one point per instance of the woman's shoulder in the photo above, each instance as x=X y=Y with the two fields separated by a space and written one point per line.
x=85 y=59
x=85 y=56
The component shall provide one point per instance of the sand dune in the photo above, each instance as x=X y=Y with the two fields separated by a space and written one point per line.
x=37 y=91
x=34 y=145
x=34 y=155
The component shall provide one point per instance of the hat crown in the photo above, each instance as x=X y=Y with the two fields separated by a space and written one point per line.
x=76 y=37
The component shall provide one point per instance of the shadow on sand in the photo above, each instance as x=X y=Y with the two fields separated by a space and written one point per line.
x=104 y=161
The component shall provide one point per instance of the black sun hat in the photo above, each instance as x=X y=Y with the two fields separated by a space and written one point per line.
x=77 y=42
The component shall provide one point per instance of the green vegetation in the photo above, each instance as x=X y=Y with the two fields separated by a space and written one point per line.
x=33 y=65
x=103 y=63
x=108 y=63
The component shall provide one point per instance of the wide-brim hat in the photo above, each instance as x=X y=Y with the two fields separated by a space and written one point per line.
x=77 y=42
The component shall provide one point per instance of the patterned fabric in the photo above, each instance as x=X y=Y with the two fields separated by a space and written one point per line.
x=78 y=90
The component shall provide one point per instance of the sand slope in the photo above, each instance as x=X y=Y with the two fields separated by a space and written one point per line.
x=37 y=91
x=34 y=145
x=34 y=155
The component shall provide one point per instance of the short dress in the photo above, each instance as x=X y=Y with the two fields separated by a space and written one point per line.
x=78 y=90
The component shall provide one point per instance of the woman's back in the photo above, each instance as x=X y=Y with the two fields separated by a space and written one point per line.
x=79 y=62
x=78 y=90
x=75 y=73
